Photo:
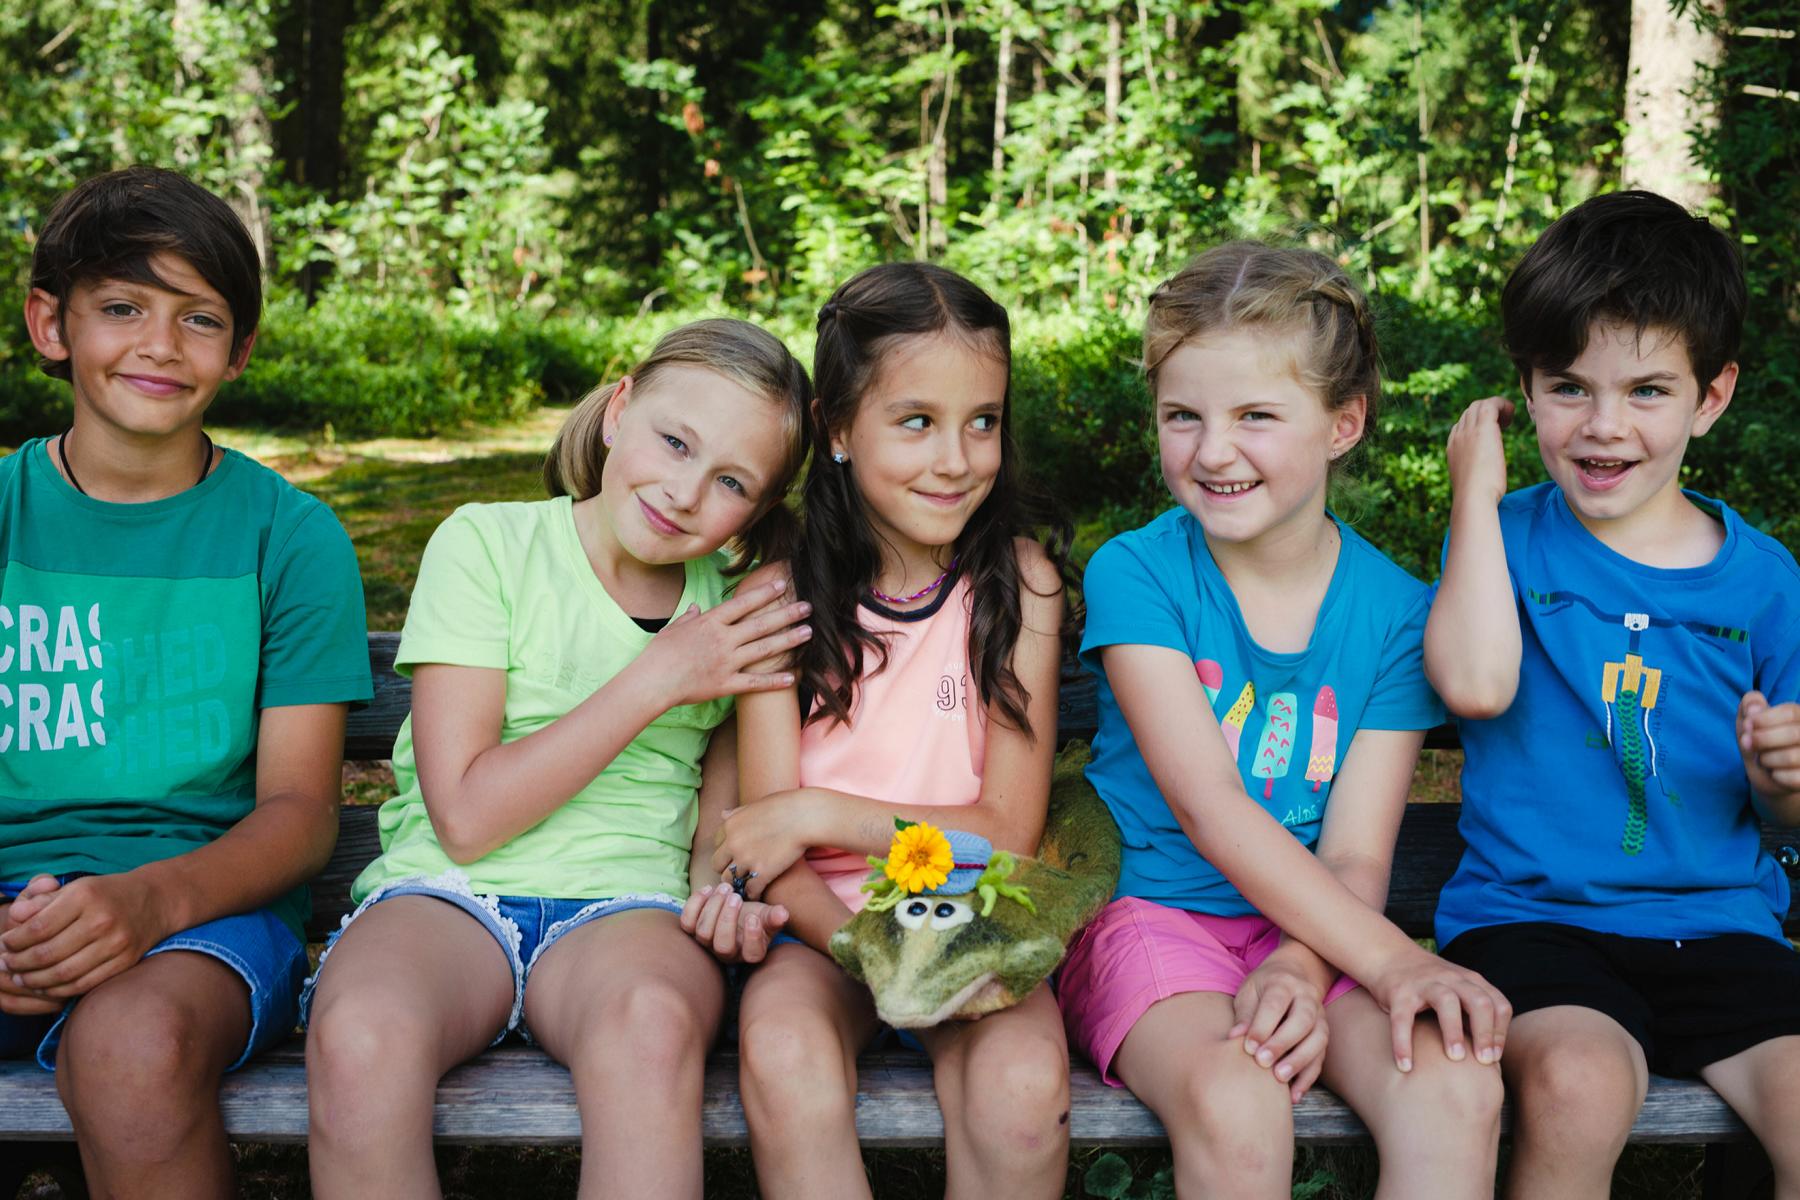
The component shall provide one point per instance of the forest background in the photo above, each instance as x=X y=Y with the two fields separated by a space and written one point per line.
x=472 y=211
x=469 y=209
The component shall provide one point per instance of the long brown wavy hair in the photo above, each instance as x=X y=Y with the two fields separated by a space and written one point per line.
x=840 y=555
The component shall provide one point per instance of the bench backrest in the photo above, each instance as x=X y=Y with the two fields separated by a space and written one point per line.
x=1427 y=853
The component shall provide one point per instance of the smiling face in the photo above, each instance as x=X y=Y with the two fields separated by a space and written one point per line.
x=924 y=446
x=692 y=462
x=143 y=360
x=1614 y=425
x=1245 y=446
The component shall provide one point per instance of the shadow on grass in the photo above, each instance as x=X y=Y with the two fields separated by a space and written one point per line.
x=390 y=509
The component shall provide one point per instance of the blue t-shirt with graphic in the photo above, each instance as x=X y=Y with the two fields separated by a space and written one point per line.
x=1611 y=795
x=1288 y=718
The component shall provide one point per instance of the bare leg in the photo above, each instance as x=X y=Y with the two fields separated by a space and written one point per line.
x=1577 y=1080
x=1003 y=1083
x=138 y=1069
x=1230 y=1122
x=415 y=986
x=1437 y=1127
x=630 y=1004
x=800 y=1026
x=1762 y=1085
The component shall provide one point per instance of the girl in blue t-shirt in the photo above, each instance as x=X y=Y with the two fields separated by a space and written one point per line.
x=1257 y=660
x=552 y=783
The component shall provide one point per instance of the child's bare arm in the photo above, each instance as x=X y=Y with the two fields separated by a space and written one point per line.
x=1472 y=641
x=1769 y=740
x=480 y=793
x=1162 y=701
x=94 y=927
x=1015 y=783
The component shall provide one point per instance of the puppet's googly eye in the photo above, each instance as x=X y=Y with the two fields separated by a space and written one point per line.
x=912 y=914
x=948 y=914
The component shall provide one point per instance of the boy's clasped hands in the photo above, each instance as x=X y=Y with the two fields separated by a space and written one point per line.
x=59 y=941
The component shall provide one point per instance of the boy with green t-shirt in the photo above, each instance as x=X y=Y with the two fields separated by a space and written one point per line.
x=180 y=632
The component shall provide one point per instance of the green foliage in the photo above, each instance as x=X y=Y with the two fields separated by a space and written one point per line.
x=1110 y=1178
x=365 y=367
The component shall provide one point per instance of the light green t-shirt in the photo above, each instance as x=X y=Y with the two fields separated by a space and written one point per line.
x=139 y=642
x=508 y=587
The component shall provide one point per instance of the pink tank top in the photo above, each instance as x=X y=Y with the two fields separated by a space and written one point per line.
x=917 y=732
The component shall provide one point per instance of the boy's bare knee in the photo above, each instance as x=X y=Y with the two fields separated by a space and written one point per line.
x=1580 y=1093
x=123 y=1044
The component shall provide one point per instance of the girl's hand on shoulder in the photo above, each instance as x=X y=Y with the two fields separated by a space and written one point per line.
x=1470 y=1011
x=1476 y=453
x=735 y=930
x=701 y=656
x=1281 y=1017
x=758 y=842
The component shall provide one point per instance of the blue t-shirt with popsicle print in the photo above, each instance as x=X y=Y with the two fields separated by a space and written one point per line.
x=1611 y=794
x=139 y=643
x=1287 y=717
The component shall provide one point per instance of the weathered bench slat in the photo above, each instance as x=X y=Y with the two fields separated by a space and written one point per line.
x=516 y=1095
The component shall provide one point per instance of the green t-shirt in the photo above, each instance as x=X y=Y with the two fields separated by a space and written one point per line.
x=508 y=587
x=138 y=642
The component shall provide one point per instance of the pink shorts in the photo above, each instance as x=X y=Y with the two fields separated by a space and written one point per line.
x=1138 y=952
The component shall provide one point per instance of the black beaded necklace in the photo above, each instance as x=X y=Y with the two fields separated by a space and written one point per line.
x=62 y=451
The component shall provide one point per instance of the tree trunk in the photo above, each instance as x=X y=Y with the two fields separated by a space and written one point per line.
x=1003 y=73
x=1662 y=110
x=1115 y=83
x=938 y=170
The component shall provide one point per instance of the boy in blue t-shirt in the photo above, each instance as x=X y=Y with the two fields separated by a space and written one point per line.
x=1625 y=657
x=180 y=631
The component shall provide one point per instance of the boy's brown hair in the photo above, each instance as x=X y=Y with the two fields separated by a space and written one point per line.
x=111 y=226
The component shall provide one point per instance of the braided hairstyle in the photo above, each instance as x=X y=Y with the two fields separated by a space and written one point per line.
x=1300 y=294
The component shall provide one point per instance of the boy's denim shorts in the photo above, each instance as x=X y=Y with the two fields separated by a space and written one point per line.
x=265 y=953
x=524 y=926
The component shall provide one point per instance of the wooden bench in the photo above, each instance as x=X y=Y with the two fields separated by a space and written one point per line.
x=515 y=1095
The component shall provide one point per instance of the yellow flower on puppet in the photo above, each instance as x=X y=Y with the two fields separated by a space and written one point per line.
x=955 y=928
x=920 y=858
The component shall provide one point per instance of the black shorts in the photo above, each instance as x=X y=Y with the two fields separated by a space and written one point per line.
x=1689 y=1003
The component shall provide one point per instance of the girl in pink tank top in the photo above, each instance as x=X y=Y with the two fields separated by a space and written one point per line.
x=929 y=684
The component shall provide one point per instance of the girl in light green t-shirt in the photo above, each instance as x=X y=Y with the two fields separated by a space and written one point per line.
x=571 y=659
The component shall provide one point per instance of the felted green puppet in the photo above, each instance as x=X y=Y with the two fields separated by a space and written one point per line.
x=955 y=929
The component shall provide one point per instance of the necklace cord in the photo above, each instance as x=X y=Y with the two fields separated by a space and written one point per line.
x=921 y=593
x=206 y=462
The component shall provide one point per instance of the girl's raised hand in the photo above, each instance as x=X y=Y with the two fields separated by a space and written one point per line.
x=735 y=930
x=1420 y=981
x=1281 y=1017
x=1475 y=452
x=701 y=656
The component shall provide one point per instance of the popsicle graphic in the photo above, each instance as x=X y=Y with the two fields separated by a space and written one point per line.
x=1212 y=678
x=1276 y=748
x=1321 y=758
x=1233 y=722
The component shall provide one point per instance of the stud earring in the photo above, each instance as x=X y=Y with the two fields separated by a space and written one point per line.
x=607 y=440
x=839 y=457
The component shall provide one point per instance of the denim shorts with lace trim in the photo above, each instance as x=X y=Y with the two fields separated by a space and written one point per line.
x=257 y=946
x=524 y=926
